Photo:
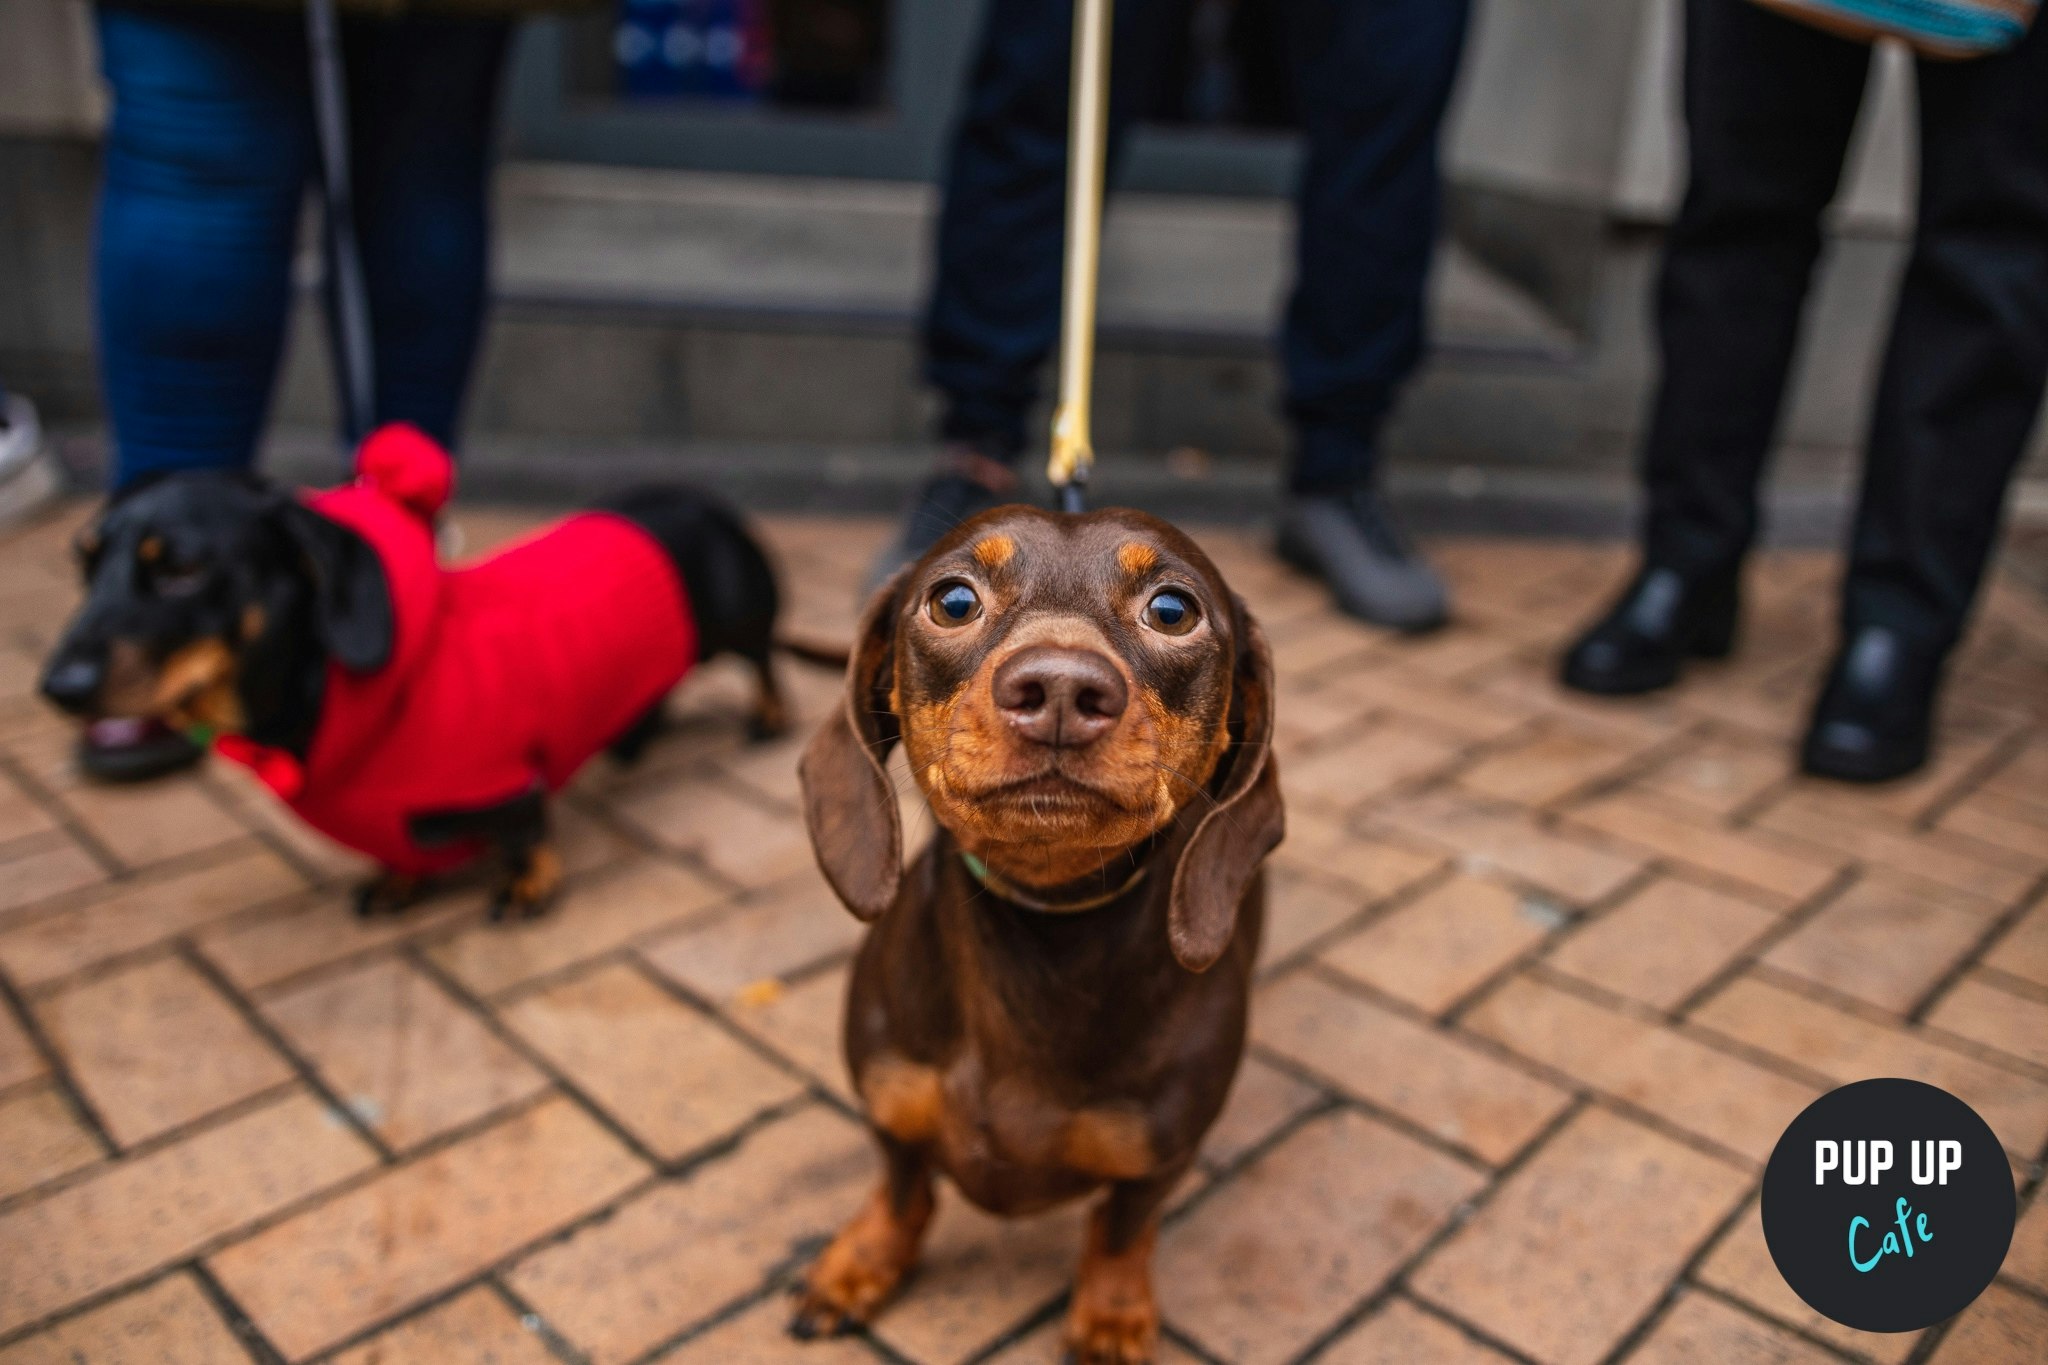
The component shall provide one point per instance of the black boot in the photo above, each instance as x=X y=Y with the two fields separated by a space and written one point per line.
x=1661 y=620
x=1876 y=715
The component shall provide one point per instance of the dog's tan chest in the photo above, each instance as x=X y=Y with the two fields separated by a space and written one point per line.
x=991 y=1127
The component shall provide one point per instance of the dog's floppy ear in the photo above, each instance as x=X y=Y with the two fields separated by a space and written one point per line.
x=849 y=803
x=351 y=600
x=1244 y=825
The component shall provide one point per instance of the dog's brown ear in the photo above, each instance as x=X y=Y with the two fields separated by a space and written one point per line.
x=849 y=804
x=1244 y=825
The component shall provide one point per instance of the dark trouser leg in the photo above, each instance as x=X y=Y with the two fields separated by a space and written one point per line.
x=1962 y=378
x=206 y=159
x=423 y=98
x=1371 y=81
x=1769 y=106
x=994 y=309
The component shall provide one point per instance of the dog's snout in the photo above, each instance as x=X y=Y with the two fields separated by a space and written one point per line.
x=73 y=682
x=1063 y=697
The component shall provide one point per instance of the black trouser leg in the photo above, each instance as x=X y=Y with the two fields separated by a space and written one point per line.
x=1769 y=107
x=1371 y=81
x=1962 y=379
x=994 y=311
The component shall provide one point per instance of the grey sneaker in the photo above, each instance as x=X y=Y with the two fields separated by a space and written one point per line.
x=1351 y=541
x=29 y=478
x=968 y=483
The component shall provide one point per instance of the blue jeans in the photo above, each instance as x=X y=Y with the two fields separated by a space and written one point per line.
x=208 y=159
x=1371 y=79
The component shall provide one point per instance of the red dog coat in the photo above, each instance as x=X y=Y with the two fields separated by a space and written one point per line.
x=506 y=672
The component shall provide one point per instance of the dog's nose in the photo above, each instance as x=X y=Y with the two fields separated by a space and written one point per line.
x=1063 y=697
x=73 y=683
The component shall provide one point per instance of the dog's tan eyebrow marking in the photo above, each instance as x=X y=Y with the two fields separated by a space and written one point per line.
x=1136 y=558
x=150 y=550
x=992 y=552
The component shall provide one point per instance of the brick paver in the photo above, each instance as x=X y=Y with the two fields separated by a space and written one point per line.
x=171 y=1320
x=405 y=1058
x=1273 y=1259
x=1438 y=948
x=41 y=1138
x=476 y=1325
x=155 y=1047
x=1543 y=978
x=1580 y=1243
x=1664 y=942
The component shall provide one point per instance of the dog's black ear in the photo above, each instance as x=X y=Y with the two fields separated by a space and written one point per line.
x=351 y=600
x=1247 y=821
x=849 y=804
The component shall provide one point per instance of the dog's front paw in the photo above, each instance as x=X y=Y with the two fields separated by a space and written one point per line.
x=856 y=1274
x=387 y=893
x=1111 y=1331
x=1113 y=1320
x=531 y=889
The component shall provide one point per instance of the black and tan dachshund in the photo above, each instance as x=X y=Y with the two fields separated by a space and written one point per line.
x=222 y=604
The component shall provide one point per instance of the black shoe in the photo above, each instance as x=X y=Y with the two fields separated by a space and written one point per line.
x=1876 y=715
x=1660 y=621
x=1351 y=541
x=134 y=750
x=968 y=485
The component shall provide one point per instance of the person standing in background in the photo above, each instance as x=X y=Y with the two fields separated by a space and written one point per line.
x=1370 y=81
x=210 y=150
x=1770 y=104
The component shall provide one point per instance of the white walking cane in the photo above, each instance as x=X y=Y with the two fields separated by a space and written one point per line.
x=1073 y=446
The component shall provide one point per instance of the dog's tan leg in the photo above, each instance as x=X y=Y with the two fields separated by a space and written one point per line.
x=534 y=876
x=1113 y=1319
x=771 y=713
x=854 y=1276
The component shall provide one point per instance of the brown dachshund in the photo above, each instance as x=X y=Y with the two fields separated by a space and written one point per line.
x=1052 y=999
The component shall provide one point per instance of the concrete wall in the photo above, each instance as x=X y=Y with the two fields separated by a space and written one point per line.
x=1577 y=102
x=47 y=83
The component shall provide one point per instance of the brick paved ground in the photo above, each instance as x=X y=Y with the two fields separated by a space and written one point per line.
x=1546 y=978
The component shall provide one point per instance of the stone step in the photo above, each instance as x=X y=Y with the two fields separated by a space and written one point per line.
x=666 y=306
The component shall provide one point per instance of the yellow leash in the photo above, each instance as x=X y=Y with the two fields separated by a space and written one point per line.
x=1073 y=445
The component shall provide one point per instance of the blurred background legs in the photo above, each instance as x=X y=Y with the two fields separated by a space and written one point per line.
x=209 y=154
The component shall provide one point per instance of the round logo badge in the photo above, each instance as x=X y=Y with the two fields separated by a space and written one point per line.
x=1888 y=1205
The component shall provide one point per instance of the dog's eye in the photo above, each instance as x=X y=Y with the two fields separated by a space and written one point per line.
x=1171 y=613
x=955 y=604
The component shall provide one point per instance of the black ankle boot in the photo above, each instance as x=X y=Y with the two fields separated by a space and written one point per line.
x=1876 y=714
x=1661 y=620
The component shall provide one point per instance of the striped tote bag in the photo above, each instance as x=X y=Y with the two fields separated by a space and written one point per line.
x=1937 y=28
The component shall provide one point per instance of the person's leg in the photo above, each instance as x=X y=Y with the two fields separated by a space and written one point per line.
x=1962 y=379
x=1769 y=108
x=206 y=160
x=1372 y=79
x=994 y=311
x=1958 y=394
x=423 y=100
x=204 y=167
